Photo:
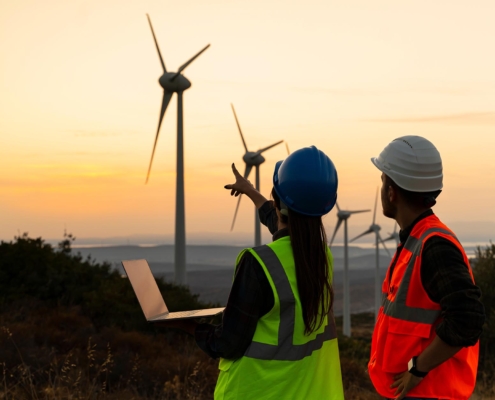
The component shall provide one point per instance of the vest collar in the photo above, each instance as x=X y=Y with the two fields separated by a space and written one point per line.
x=404 y=233
x=280 y=234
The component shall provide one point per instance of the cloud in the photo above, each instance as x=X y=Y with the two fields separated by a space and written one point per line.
x=480 y=118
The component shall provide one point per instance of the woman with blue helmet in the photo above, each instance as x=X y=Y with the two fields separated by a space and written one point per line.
x=277 y=339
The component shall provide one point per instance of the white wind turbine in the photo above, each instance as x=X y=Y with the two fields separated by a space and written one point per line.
x=343 y=216
x=252 y=159
x=174 y=82
x=375 y=228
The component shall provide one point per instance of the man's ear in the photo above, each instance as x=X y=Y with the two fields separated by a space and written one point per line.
x=392 y=194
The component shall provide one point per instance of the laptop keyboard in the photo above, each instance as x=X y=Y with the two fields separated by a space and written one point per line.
x=180 y=314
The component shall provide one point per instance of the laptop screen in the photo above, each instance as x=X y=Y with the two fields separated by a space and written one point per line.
x=144 y=284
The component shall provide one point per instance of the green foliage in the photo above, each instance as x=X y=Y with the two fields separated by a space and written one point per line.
x=484 y=274
x=31 y=268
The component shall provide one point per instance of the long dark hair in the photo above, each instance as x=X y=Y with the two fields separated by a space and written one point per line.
x=309 y=246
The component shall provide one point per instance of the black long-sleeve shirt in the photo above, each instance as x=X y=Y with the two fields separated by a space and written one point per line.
x=250 y=298
x=443 y=273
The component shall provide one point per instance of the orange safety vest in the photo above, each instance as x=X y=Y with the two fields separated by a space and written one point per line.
x=406 y=325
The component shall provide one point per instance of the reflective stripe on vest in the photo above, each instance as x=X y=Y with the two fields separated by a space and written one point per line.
x=398 y=308
x=286 y=350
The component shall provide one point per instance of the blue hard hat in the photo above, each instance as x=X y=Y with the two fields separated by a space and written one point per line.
x=307 y=182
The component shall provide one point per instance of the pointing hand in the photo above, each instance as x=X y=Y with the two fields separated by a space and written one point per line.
x=241 y=185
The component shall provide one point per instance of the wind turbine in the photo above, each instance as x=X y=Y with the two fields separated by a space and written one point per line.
x=343 y=216
x=252 y=159
x=393 y=236
x=175 y=82
x=375 y=228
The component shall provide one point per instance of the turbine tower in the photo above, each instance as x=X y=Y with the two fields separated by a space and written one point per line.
x=375 y=228
x=251 y=159
x=343 y=216
x=175 y=82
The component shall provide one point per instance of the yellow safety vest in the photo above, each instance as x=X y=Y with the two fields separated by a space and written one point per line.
x=282 y=362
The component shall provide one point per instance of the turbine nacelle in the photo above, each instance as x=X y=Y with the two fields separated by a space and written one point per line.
x=375 y=228
x=171 y=82
x=343 y=214
x=253 y=158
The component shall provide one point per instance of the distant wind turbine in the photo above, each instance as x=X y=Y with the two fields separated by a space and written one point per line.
x=252 y=159
x=287 y=147
x=375 y=228
x=343 y=216
x=174 y=82
x=393 y=236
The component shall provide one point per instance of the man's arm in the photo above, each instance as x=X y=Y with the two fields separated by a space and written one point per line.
x=447 y=280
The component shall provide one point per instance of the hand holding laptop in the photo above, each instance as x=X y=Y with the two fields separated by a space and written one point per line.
x=186 y=325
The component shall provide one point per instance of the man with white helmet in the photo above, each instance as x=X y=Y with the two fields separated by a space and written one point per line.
x=425 y=342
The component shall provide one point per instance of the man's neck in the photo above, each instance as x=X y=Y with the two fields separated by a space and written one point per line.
x=406 y=216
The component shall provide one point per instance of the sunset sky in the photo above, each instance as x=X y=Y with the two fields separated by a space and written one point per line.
x=80 y=100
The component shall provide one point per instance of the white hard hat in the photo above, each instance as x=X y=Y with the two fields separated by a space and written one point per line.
x=413 y=163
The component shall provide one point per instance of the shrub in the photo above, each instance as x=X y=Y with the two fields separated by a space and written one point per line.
x=31 y=268
x=484 y=274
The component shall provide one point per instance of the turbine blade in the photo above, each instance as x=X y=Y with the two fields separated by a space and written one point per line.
x=395 y=228
x=389 y=238
x=358 y=211
x=156 y=43
x=287 y=147
x=166 y=99
x=265 y=149
x=339 y=222
x=239 y=127
x=361 y=235
x=235 y=214
x=247 y=171
x=183 y=66
x=383 y=244
x=337 y=204
x=374 y=211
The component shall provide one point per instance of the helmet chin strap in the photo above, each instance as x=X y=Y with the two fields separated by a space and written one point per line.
x=283 y=209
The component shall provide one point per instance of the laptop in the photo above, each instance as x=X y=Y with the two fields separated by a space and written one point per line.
x=151 y=300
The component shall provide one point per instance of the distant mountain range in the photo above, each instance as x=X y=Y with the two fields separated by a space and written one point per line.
x=210 y=268
x=202 y=258
x=214 y=257
x=470 y=233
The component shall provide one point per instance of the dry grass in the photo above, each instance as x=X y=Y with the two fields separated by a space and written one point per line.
x=57 y=354
x=64 y=358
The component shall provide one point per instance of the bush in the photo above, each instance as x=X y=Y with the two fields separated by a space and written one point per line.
x=71 y=328
x=31 y=268
x=484 y=275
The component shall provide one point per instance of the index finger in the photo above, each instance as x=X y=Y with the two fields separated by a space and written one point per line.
x=234 y=170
